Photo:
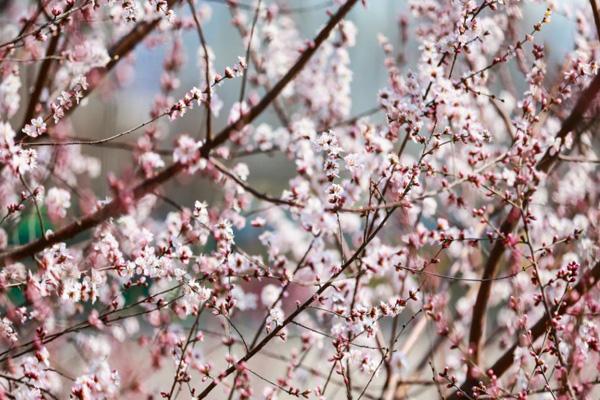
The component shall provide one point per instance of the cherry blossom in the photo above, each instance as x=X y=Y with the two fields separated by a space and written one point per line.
x=36 y=128
x=58 y=202
x=246 y=229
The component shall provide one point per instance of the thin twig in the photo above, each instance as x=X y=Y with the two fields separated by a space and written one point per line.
x=248 y=49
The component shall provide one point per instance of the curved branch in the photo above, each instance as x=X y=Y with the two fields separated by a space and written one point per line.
x=115 y=53
x=585 y=284
x=115 y=208
x=509 y=224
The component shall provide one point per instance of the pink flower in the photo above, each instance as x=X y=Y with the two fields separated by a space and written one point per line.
x=58 y=201
x=35 y=128
x=187 y=152
x=151 y=162
x=7 y=330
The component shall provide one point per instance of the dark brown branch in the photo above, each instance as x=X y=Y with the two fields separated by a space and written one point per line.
x=41 y=80
x=570 y=124
x=206 y=71
x=248 y=50
x=114 y=208
x=489 y=272
x=510 y=223
x=585 y=284
x=116 y=53
x=279 y=86
x=596 y=16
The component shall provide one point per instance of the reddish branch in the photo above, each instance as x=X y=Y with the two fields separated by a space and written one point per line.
x=279 y=86
x=114 y=208
x=206 y=70
x=570 y=124
x=483 y=295
x=509 y=224
x=116 y=53
x=41 y=80
x=585 y=284
x=55 y=21
x=596 y=16
x=301 y=308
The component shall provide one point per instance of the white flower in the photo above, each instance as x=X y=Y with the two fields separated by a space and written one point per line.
x=58 y=201
x=71 y=290
x=9 y=95
x=201 y=212
x=151 y=162
x=269 y=295
x=509 y=176
x=315 y=219
x=196 y=294
x=88 y=54
x=35 y=128
x=355 y=163
x=442 y=224
x=197 y=95
x=334 y=194
x=242 y=171
x=27 y=393
x=22 y=160
x=429 y=207
x=257 y=222
x=7 y=331
x=328 y=142
x=7 y=135
x=186 y=150
x=349 y=30
x=275 y=318
x=236 y=112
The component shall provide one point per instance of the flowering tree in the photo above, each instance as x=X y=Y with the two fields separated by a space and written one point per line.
x=443 y=244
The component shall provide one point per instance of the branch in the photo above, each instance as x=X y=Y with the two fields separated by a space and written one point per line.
x=509 y=224
x=41 y=80
x=279 y=86
x=248 y=49
x=250 y=189
x=116 y=53
x=583 y=103
x=114 y=208
x=585 y=284
x=206 y=70
x=596 y=16
x=55 y=21
x=579 y=159
x=301 y=308
x=258 y=65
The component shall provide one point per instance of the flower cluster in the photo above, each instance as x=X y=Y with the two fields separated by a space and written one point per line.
x=254 y=236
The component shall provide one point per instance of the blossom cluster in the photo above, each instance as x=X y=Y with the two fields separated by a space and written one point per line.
x=445 y=243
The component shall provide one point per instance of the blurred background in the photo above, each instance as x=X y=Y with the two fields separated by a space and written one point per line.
x=106 y=115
